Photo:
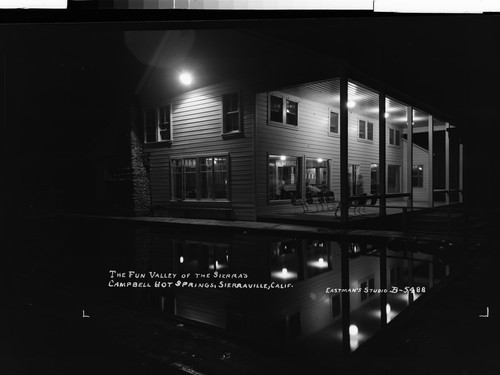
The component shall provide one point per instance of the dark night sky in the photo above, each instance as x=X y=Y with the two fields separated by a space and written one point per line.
x=65 y=82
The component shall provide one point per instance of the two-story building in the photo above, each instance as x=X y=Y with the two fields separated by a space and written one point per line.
x=240 y=148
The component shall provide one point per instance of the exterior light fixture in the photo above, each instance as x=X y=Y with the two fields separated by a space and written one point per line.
x=186 y=78
x=284 y=271
x=320 y=160
x=351 y=104
x=386 y=115
x=283 y=157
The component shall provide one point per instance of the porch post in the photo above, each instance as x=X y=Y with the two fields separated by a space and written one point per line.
x=409 y=154
x=430 y=183
x=381 y=152
x=344 y=209
x=447 y=160
x=461 y=172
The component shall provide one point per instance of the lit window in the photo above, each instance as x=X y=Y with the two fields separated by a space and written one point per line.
x=200 y=178
x=374 y=178
x=231 y=110
x=418 y=176
x=284 y=177
x=283 y=110
x=334 y=122
x=291 y=112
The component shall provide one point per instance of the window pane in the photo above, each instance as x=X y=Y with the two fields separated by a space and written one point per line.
x=393 y=179
x=418 y=175
x=291 y=112
x=276 y=109
x=206 y=176
x=316 y=175
x=150 y=125
x=231 y=112
x=164 y=124
x=391 y=136
x=334 y=122
x=176 y=178
x=190 y=178
x=398 y=137
x=283 y=177
x=374 y=179
x=220 y=177
x=370 y=131
x=362 y=129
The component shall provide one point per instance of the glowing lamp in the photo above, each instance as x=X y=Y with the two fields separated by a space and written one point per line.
x=351 y=104
x=186 y=78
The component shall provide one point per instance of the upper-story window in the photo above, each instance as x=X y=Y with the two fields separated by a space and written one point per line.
x=283 y=110
x=365 y=130
x=394 y=137
x=158 y=124
x=231 y=121
x=165 y=124
x=334 y=123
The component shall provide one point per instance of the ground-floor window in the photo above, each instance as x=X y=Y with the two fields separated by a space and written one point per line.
x=374 y=189
x=418 y=176
x=283 y=177
x=393 y=178
x=316 y=174
x=200 y=178
x=355 y=180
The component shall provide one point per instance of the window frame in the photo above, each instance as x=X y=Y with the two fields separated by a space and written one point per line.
x=198 y=174
x=394 y=137
x=225 y=113
x=156 y=124
x=284 y=113
x=420 y=177
x=337 y=115
x=170 y=138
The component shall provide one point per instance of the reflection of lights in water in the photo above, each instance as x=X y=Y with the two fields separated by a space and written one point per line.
x=218 y=266
x=181 y=260
x=387 y=309
x=353 y=330
x=320 y=263
x=284 y=274
x=354 y=343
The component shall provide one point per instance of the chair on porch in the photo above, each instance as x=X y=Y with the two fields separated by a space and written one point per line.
x=299 y=202
x=330 y=199
x=359 y=202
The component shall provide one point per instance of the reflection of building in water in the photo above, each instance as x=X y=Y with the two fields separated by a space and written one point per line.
x=312 y=306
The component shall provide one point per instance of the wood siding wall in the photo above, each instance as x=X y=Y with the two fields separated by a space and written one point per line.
x=197 y=131
x=311 y=139
x=420 y=157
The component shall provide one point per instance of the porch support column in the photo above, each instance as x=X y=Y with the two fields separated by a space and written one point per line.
x=447 y=160
x=381 y=153
x=344 y=209
x=430 y=183
x=461 y=173
x=409 y=155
